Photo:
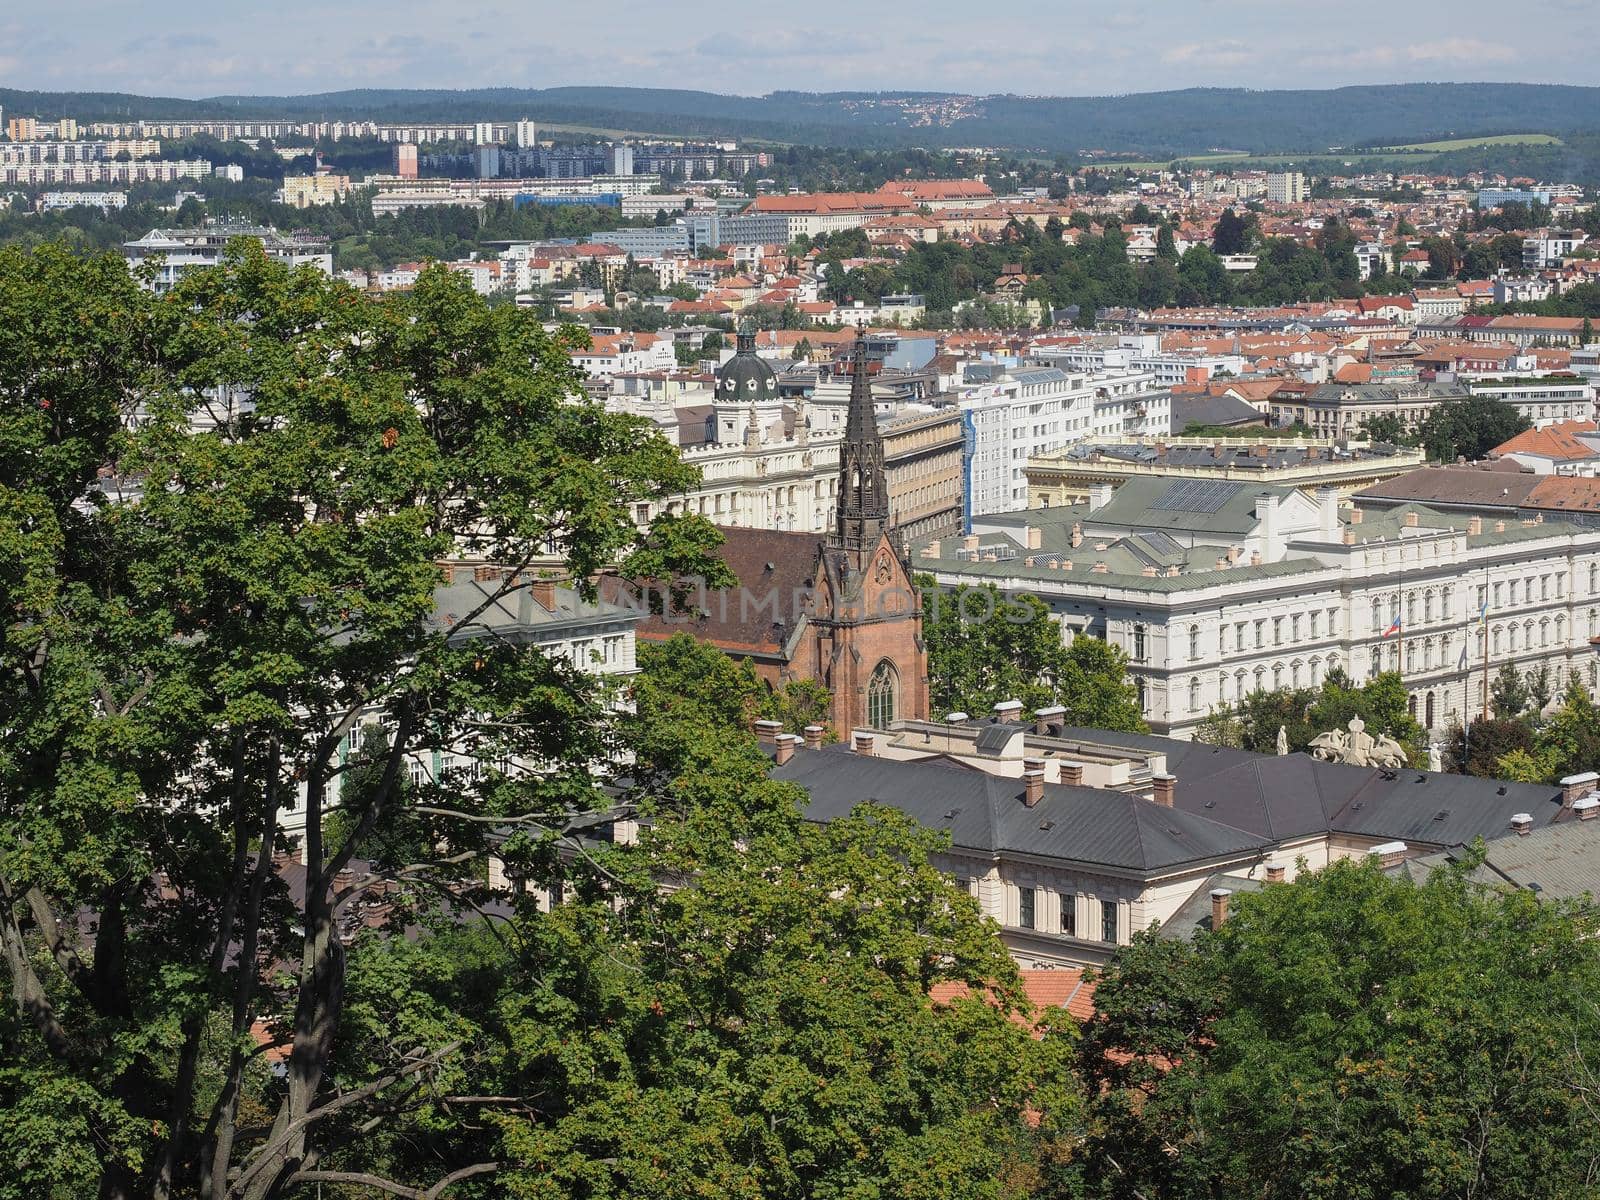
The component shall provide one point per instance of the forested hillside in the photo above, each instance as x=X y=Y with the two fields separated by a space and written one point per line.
x=1158 y=124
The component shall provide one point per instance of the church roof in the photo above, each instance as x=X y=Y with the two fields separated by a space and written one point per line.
x=759 y=615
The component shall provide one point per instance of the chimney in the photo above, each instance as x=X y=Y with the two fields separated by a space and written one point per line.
x=1165 y=787
x=1266 y=512
x=1043 y=718
x=786 y=748
x=1499 y=526
x=931 y=550
x=1255 y=558
x=1349 y=537
x=1099 y=496
x=1035 y=537
x=1328 y=513
x=1355 y=516
x=969 y=542
x=1410 y=520
x=1007 y=710
x=1587 y=808
x=1032 y=788
x=1234 y=552
x=1148 y=573
x=1099 y=569
x=814 y=737
x=1072 y=774
x=866 y=743
x=1219 y=907
x=1522 y=823
x=955 y=718
x=1222 y=564
x=543 y=592
x=1077 y=534
x=1275 y=873
x=1474 y=526
x=767 y=731
x=1575 y=787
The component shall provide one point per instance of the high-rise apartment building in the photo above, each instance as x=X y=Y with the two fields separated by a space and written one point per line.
x=1286 y=187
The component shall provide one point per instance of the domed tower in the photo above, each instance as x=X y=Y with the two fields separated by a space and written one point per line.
x=747 y=406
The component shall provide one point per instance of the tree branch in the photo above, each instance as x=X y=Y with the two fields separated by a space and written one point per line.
x=406 y=1191
x=268 y=1151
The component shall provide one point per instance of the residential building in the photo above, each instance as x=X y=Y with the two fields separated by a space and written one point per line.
x=53 y=201
x=1499 y=197
x=1542 y=399
x=1286 y=187
x=303 y=191
x=1549 y=248
x=1569 y=448
x=595 y=636
x=1342 y=410
x=103 y=172
x=404 y=157
x=183 y=250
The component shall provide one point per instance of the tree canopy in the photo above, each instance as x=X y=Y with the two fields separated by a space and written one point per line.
x=985 y=647
x=1352 y=1035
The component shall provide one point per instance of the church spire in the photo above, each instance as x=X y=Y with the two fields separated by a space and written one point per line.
x=863 y=490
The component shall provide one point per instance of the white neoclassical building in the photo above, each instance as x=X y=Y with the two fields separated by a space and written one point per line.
x=1218 y=588
x=772 y=462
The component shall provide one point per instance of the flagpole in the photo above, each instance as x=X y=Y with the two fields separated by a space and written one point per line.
x=1483 y=623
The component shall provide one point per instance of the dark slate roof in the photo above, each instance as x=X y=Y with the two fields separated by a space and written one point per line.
x=1194 y=914
x=516 y=615
x=985 y=813
x=1212 y=410
x=1297 y=795
x=1561 y=861
x=768 y=564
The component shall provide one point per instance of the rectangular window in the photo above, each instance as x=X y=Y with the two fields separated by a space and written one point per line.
x=1025 y=903
x=1108 y=921
x=1069 y=914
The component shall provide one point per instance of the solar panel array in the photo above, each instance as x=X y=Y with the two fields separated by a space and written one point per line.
x=1197 y=495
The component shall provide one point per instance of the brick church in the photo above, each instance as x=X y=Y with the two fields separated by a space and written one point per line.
x=840 y=609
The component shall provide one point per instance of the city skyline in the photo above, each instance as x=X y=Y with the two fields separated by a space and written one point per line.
x=181 y=48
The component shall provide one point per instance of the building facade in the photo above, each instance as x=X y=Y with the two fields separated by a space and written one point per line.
x=1219 y=589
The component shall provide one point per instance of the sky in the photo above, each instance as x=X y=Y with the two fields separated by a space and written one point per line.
x=1034 y=47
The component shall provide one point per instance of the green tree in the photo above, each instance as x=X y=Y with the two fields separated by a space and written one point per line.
x=1352 y=1035
x=1233 y=234
x=185 y=662
x=1509 y=696
x=985 y=647
x=765 y=1029
x=1469 y=428
x=1386 y=427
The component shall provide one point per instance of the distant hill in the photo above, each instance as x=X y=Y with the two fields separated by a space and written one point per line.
x=1153 y=125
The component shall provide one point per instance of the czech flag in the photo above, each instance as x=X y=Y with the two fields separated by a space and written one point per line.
x=1394 y=626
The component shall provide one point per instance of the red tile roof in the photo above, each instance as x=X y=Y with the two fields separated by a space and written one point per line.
x=1559 y=441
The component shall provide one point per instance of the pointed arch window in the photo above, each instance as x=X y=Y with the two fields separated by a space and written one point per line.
x=883 y=695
